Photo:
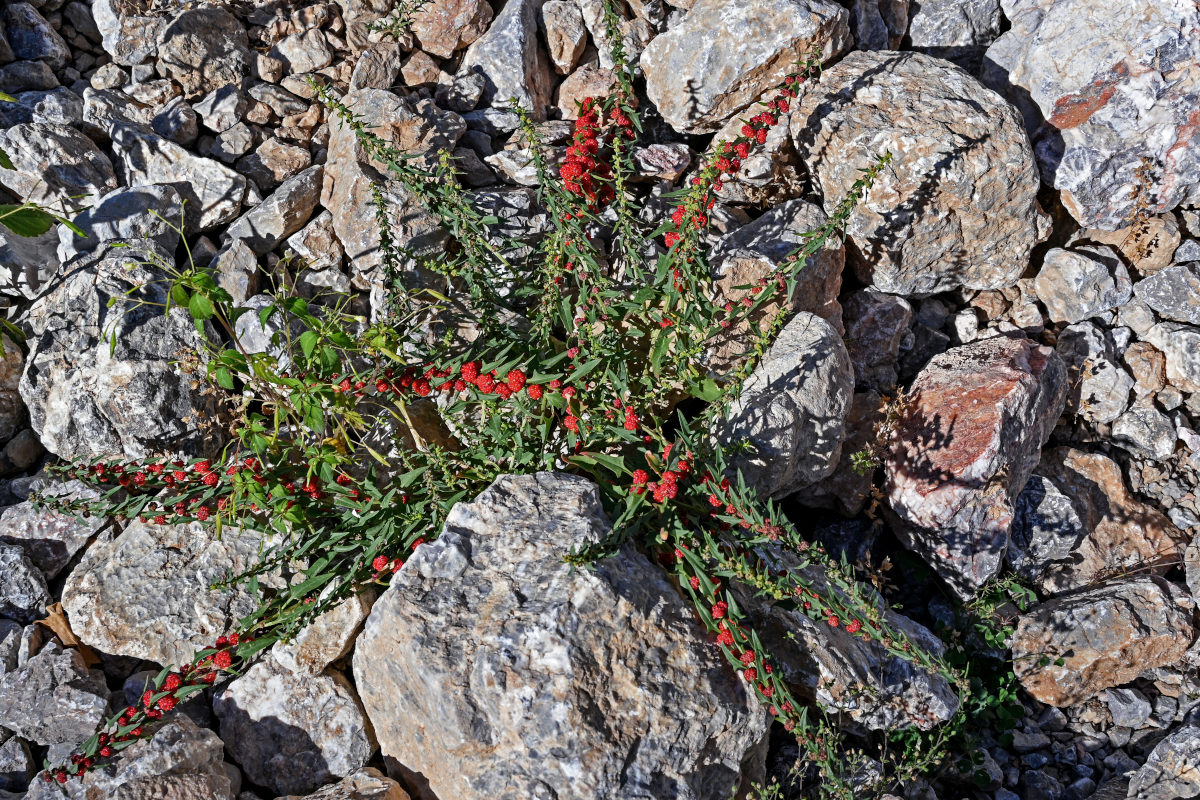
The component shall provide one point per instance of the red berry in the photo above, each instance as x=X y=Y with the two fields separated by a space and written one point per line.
x=516 y=380
x=222 y=659
x=719 y=609
x=535 y=392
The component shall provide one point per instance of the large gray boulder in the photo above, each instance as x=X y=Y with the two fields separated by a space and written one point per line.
x=792 y=409
x=1105 y=85
x=511 y=59
x=967 y=441
x=203 y=49
x=55 y=165
x=491 y=667
x=957 y=207
x=89 y=398
x=154 y=592
x=143 y=212
x=725 y=54
x=52 y=698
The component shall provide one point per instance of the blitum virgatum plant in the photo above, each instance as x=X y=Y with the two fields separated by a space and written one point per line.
x=352 y=438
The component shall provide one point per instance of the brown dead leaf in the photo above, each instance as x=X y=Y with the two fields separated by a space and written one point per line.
x=57 y=622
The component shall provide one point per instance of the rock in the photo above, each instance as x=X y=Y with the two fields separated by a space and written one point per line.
x=281 y=214
x=126 y=214
x=768 y=175
x=60 y=106
x=878 y=24
x=273 y=163
x=213 y=193
x=49 y=538
x=378 y=67
x=1172 y=772
x=792 y=409
x=230 y=144
x=588 y=705
x=129 y=38
x=967 y=441
x=303 y=52
x=587 y=81
x=366 y=784
x=203 y=49
x=1085 y=282
x=1180 y=345
x=293 y=732
x=1148 y=244
x=751 y=254
x=181 y=761
x=1103 y=85
x=697 y=81
x=1148 y=367
x=32 y=38
x=177 y=122
x=317 y=243
x=278 y=99
x=54 y=165
x=12 y=410
x=26 y=262
x=1098 y=387
x=1105 y=637
x=860 y=679
x=1129 y=707
x=566 y=36
x=222 y=108
x=52 y=698
x=235 y=268
x=516 y=165
x=16 y=765
x=419 y=69
x=148 y=592
x=511 y=59
x=23 y=76
x=846 y=489
x=958 y=205
x=326 y=639
x=956 y=30
x=86 y=400
x=1173 y=292
x=1076 y=523
x=349 y=175
x=443 y=27
x=662 y=161
x=876 y=323
x=23 y=592
x=1144 y=430
x=102 y=109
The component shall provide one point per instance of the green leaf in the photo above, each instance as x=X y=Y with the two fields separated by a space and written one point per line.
x=224 y=379
x=179 y=295
x=707 y=390
x=5 y=161
x=200 y=307
x=308 y=341
x=26 y=221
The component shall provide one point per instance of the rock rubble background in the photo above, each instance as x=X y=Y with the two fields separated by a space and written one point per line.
x=1050 y=350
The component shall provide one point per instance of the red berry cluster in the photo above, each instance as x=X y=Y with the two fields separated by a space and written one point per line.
x=582 y=172
x=129 y=724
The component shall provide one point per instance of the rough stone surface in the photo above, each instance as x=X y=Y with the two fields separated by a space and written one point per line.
x=792 y=409
x=203 y=49
x=148 y=592
x=23 y=592
x=129 y=38
x=1104 y=84
x=54 y=164
x=52 y=698
x=769 y=175
x=1180 y=345
x=86 y=399
x=317 y=243
x=349 y=174
x=956 y=30
x=486 y=648
x=181 y=761
x=511 y=59
x=32 y=38
x=1172 y=771
x=213 y=191
x=1145 y=431
x=281 y=214
x=445 y=26
x=366 y=784
x=1173 y=292
x=303 y=52
x=12 y=410
x=1105 y=637
x=49 y=538
x=293 y=732
x=967 y=442
x=1077 y=523
x=697 y=80
x=875 y=327
x=326 y=639
x=26 y=263
x=957 y=207
x=60 y=106
x=273 y=162
x=878 y=24
x=566 y=36
x=752 y=253
x=126 y=214
x=1098 y=386
x=1078 y=284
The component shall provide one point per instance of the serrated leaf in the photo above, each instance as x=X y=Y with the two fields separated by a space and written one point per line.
x=200 y=307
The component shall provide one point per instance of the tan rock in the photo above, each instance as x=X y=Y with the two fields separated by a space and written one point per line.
x=587 y=81
x=566 y=35
x=366 y=784
x=1085 y=526
x=420 y=68
x=1150 y=245
x=1104 y=637
x=1148 y=366
x=444 y=26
